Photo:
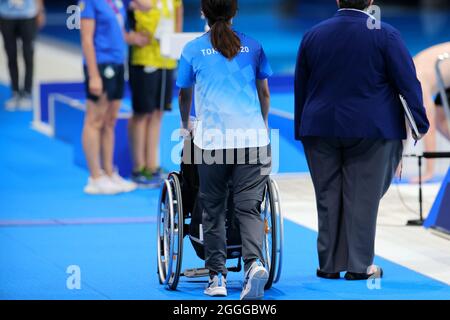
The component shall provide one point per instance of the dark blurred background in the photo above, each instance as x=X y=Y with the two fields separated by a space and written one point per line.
x=280 y=24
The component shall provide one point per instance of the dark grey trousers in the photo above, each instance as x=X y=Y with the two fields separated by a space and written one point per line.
x=350 y=177
x=248 y=180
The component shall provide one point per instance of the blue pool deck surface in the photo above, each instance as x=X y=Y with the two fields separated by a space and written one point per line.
x=47 y=224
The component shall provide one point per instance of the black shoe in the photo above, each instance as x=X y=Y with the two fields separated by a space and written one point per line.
x=326 y=275
x=363 y=276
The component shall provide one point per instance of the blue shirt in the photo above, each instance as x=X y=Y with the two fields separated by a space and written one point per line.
x=109 y=16
x=18 y=9
x=227 y=106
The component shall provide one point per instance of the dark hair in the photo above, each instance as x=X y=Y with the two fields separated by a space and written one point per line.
x=219 y=14
x=354 y=4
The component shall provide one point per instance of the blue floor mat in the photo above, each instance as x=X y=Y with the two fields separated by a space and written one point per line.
x=119 y=262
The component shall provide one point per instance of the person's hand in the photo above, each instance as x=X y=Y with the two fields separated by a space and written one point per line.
x=186 y=130
x=96 y=86
x=185 y=133
x=140 y=39
x=140 y=5
x=41 y=20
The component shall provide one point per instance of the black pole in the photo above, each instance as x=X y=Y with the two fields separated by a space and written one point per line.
x=418 y=223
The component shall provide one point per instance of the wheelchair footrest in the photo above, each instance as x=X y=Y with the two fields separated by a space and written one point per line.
x=196 y=273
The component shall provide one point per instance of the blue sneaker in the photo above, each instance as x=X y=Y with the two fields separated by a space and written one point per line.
x=255 y=279
x=217 y=286
x=159 y=173
x=146 y=180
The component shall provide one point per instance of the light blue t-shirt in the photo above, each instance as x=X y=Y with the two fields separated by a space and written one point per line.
x=18 y=9
x=227 y=105
x=109 y=16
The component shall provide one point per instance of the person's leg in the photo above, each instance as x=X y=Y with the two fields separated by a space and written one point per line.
x=249 y=183
x=27 y=32
x=9 y=32
x=162 y=84
x=212 y=194
x=153 y=140
x=430 y=142
x=92 y=132
x=368 y=169
x=138 y=135
x=324 y=159
x=108 y=136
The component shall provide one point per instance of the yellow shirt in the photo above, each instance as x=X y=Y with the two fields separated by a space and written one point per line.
x=150 y=55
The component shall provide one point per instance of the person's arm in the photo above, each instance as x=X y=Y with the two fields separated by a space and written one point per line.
x=87 y=42
x=40 y=18
x=185 y=102
x=141 y=5
x=264 y=98
x=300 y=86
x=186 y=82
x=263 y=73
x=402 y=73
x=179 y=18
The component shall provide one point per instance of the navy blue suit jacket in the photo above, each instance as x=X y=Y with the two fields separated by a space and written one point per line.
x=348 y=79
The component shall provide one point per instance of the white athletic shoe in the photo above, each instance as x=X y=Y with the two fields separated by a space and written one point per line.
x=102 y=186
x=13 y=103
x=255 y=279
x=25 y=103
x=217 y=286
x=124 y=185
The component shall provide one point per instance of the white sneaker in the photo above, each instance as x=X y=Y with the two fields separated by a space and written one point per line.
x=25 y=103
x=13 y=102
x=102 y=185
x=124 y=185
x=217 y=286
x=255 y=279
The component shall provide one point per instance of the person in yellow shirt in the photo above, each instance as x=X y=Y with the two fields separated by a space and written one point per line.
x=151 y=82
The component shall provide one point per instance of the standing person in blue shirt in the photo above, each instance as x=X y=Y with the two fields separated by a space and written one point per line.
x=104 y=46
x=229 y=71
x=350 y=120
x=20 y=19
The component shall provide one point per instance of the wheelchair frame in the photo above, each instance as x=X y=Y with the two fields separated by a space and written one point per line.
x=170 y=236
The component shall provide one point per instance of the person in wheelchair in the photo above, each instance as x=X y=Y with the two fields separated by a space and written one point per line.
x=229 y=71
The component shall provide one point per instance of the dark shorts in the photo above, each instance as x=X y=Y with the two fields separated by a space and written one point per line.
x=151 y=89
x=113 y=78
x=438 y=100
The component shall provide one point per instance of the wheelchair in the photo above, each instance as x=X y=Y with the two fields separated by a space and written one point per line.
x=180 y=217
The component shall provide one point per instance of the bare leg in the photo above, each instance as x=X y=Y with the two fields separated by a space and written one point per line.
x=430 y=137
x=108 y=136
x=153 y=139
x=138 y=133
x=92 y=130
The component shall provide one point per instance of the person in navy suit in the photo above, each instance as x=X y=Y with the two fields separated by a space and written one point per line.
x=350 y=72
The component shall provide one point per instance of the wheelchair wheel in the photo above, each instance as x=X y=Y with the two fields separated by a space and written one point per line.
x=273 y=232
x=170 y=225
